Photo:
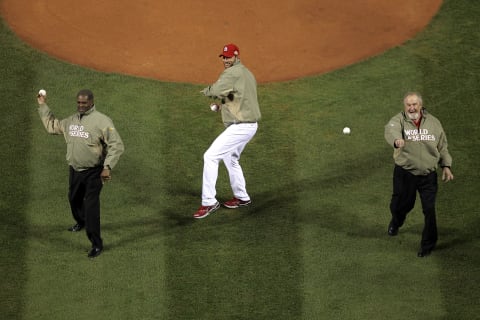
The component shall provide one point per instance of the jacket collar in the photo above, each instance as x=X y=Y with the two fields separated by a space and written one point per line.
x=92 y=109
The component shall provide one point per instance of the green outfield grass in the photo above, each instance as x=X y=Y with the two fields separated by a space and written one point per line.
x=312 y=246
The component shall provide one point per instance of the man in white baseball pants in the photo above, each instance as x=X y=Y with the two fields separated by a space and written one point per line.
x=227 y=148
x=237 y=90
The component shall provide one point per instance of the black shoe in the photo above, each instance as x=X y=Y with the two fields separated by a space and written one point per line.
x=75 y=228
x=392 y=230
x=424 y=253
x=94 y=252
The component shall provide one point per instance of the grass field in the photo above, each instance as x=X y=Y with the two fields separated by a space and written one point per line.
x=312 y=246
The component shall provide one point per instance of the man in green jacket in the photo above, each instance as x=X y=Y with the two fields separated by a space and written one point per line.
x=420 y=146
x=236 y=90
x=93 y=149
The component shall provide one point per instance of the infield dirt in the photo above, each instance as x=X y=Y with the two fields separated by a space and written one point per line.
x=180 y=40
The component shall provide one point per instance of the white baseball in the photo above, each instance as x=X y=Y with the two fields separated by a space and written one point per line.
x=214 y=107
x=346 y=130
x=42 y=92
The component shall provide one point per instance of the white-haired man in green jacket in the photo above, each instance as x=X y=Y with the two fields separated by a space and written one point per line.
x=420 y=146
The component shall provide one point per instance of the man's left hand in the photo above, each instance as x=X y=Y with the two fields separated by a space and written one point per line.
x=105 y=175
x=447 y=174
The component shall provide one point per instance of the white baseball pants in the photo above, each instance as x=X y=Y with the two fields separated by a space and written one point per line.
x=227 y=147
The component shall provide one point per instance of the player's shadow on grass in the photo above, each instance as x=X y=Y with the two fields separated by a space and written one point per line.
x=341 y=217
x=453 y=238
x=58 y=236
x=278 y=204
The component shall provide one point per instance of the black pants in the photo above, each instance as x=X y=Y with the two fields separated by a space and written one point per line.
x=405 y=187
x=84 y=197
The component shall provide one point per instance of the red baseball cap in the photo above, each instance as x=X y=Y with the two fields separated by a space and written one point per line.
x=229 y=51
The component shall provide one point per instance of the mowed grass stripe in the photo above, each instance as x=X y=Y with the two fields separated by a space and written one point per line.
x=242 y=263
x=346 y=183
x=16 y=74
x=127 y=279
x=449 y=58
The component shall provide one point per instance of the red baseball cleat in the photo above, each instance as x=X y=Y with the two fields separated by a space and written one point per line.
x=235 y=203
x=204 y=211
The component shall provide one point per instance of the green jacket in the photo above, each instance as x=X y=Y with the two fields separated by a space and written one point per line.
x=237 y=88
x=91 y=139
x=425 y=148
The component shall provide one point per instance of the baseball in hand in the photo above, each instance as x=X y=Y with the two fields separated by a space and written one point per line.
x=346 y=130
x=42 y=92
x=214 y=107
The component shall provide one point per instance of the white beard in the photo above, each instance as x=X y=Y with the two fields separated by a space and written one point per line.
x=413 y=116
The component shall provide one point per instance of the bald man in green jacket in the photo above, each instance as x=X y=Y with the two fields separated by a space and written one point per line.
x=93 y=149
